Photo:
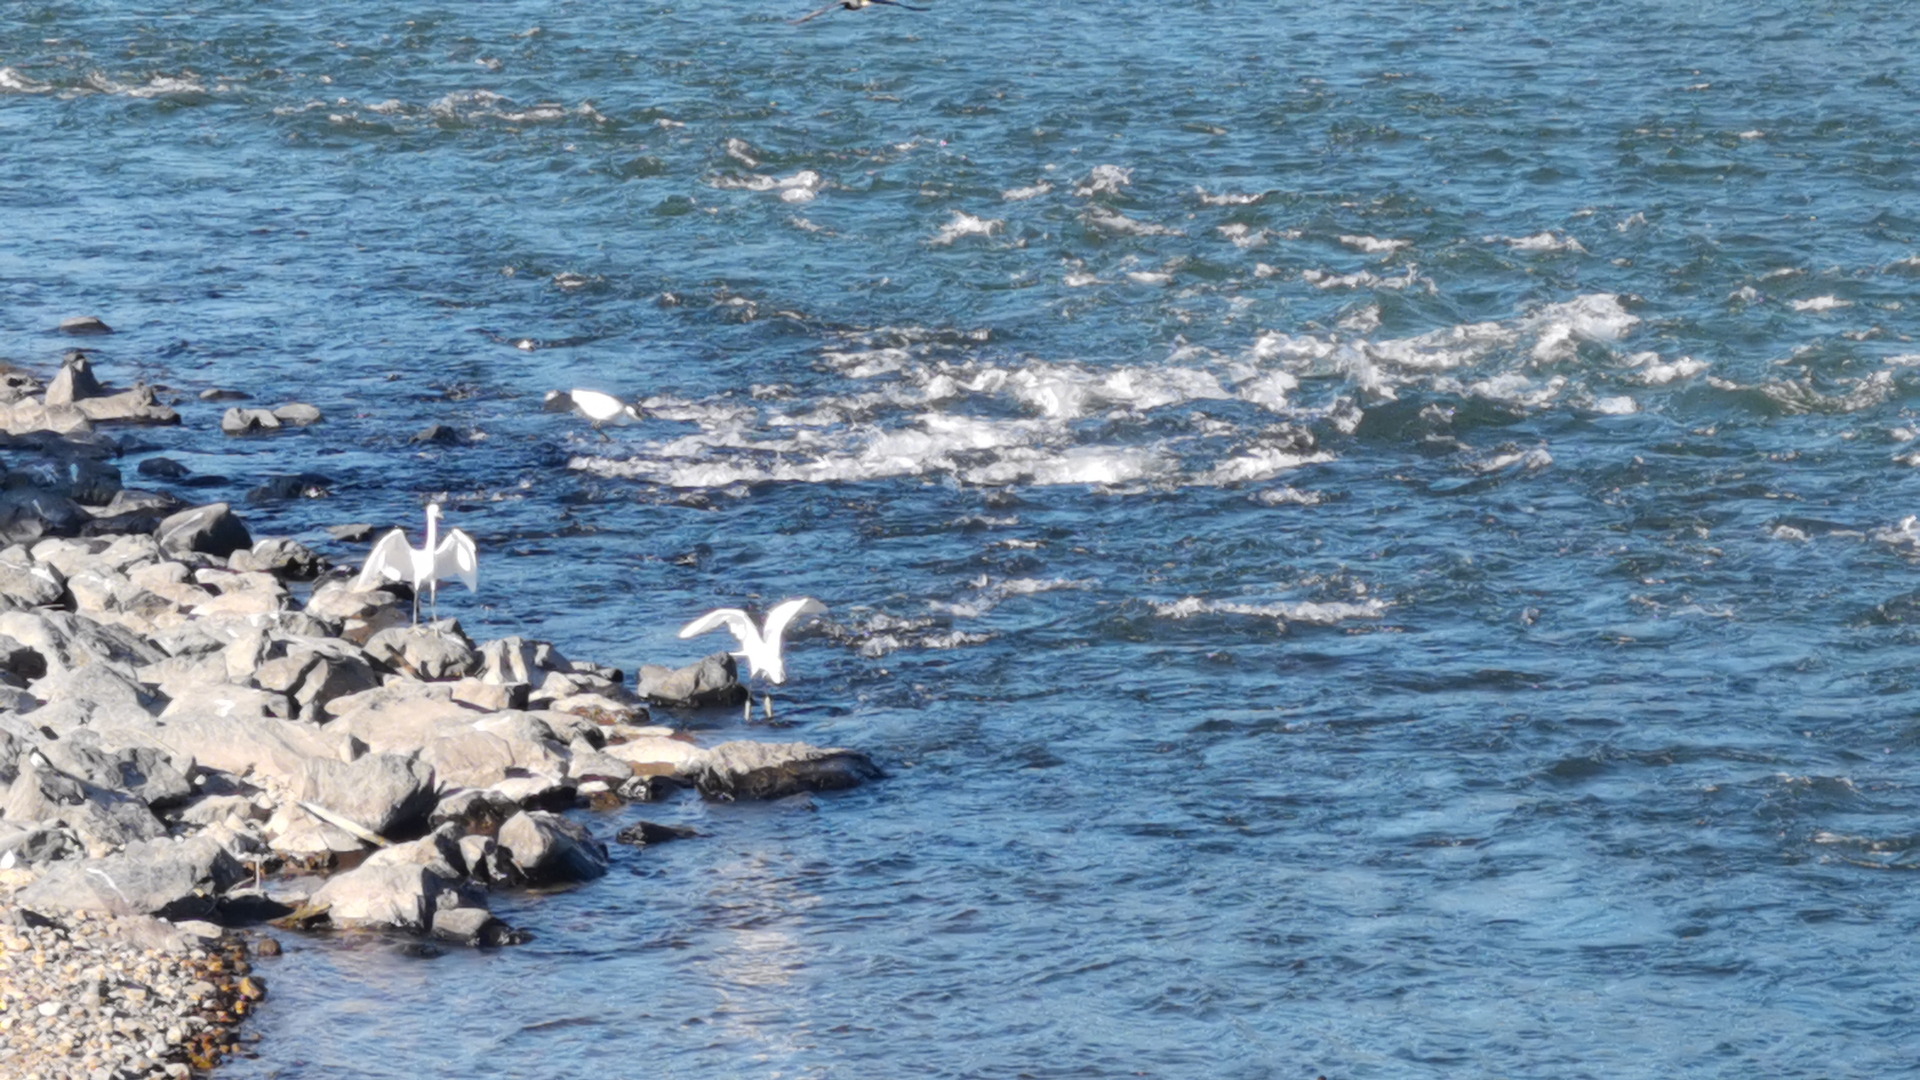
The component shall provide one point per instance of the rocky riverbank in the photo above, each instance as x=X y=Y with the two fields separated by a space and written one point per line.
x=201 y=733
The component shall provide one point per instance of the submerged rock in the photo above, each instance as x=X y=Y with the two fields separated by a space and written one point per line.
x=757 y=770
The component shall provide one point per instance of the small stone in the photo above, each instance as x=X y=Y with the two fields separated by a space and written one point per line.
x=165 y=468
x=84 y=324
x=297 y=414
x=49 y=1008
x=354 y=533
x=239 y=421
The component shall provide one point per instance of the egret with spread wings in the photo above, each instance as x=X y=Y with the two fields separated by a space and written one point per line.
x=759 y=646
x=854 y=5
x=593 y=406
x=393 y=559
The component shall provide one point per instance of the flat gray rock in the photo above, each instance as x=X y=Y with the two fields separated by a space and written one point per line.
x=757 y=770
x=394 y=896
x=169 y=878
x=212 y=529
x=547 y=847
x=713 y=680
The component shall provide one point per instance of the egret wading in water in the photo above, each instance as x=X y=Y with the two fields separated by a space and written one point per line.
x=854 y=5
x=759 y=647
x=592 y=405
x=393 y=559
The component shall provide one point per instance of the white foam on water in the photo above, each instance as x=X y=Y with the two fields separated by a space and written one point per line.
x=990 y=593
x=1308 y=612
x=1539 y=242
x=1242 y=235
x=1022 y=194
x=1229 y=198
x=1080 y=280
x=1263 y=463
x=1903 y=360
x=1117 y=224
x=13 y=82
x=1821 y=303
x=964 y=224
x=1653 y=371
x=1365 y=279
x=1373 y=245
x=802 y=186
x=1619 y=405
x=1104 y=180
x=1593 y=317
x=1149 y=277
x=1287 y=496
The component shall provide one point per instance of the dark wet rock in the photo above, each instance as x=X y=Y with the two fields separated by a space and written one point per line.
x=104 y=818
x=16 y=384
x=131 y=512
x=172 y=879
x=358 y=532
x=474 y=810
x=432 y=652
x=547 y=847
x=20 y=661
x=239 y=421
x=294 y=486
x=281 y=557
x=438 y=435
x=646 y=789
x=296 y=414
x=487 y=864
x=163 y=468
x=714 y=680
x=385 y=793
x=37 y=843
x=74 y=381
x=217 y=394
x=642 y=833
x=756 y=770
x=84 y=325
x=28 y=513
x=474 y=927
x=213 y=529
x=399 y=896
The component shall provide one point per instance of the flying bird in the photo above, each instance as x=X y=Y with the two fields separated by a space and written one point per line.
x=593 y=406
x=759 y=647
x=854 y=5
x=393 y=559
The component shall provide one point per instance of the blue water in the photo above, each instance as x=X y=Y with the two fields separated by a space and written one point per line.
x=1369 y=537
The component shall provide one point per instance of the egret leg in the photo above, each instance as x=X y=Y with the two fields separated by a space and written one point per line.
x=746 y=708
x=766 y=703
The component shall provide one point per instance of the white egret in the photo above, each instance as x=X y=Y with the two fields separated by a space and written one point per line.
x=759 y=647
x=593 y=406
x=393 y=559
x=853 y=5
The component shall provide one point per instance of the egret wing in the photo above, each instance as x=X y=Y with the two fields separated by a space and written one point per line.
x=458 y=558
x=390 y=560
x=787 y=611
x=730 y=617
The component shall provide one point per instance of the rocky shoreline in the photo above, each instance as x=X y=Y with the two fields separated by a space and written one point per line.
x=203 y=734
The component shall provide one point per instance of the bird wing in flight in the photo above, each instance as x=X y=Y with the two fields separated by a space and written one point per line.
x=787 y=611
x=898 y=4
x=390 y=560
x=730 y=617
x=814 y=14
x=457 y=557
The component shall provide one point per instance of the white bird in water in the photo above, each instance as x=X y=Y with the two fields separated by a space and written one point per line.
x=393 y=559
x=854 y=5
x=592 y=405
x=759 y=647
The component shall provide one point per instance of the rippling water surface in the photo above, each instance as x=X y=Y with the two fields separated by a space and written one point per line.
x=1372 y=539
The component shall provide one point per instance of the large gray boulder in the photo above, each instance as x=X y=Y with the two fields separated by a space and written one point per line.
x=135 y=406
x=141 y=769
x=386 y=793
x=172 y=879
x=212 y=529
x=74 y=381
x=28 y=513
x=105 y=819
x=757 y=770
x=26 y=583
x=713 y=680
x=469 y=757
x=547 y=847
x=99 y=688
x=246 y=745
x=432 y=652
x=388 y=896
x=68 y=641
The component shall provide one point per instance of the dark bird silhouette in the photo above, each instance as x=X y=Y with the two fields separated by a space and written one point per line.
x=854 y=5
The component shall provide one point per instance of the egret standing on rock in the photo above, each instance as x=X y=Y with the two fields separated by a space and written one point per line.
x=592 y=405
x=393 y=559
x=854 y=5
x=760 y=648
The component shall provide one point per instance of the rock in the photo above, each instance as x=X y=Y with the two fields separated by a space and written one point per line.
x=438 y=851
x=490 y=696
x=214 y=393
x=547 y=847
x=16 y=384
x=296 y=414
x=537 y=792
x=438 y=435
x=99 y=688
x=103 y=818
x=597 y=707
x=398 y=896
x=26 y=583
x=283 y=558
x=131 y=512
x=28 y=416
x=141 y=769
x=656 y=755
x=385 y=793
x=476 y=811
x=164 y=468
x=239 y=421
x=757 y=770
x=714 y=680
x=642 y=833
x=586 y=763
x=39 y=843
x=472 y=758
x=20 y=661
x=431 y=652
x=68 y=641
x=486 y=863
x=28 y=513
x=83 y=325
x=293 y=486
x=212 y=529
x=255 y=746
x=355 y=614
x=473 y=927
x=517 y=660
x=74 y=381
x=172 y=879
x=135 y=406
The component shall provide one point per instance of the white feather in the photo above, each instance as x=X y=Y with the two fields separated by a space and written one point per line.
x=393 y=559
x=759 y=648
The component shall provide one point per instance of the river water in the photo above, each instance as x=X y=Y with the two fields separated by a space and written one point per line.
x=1372 y=539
